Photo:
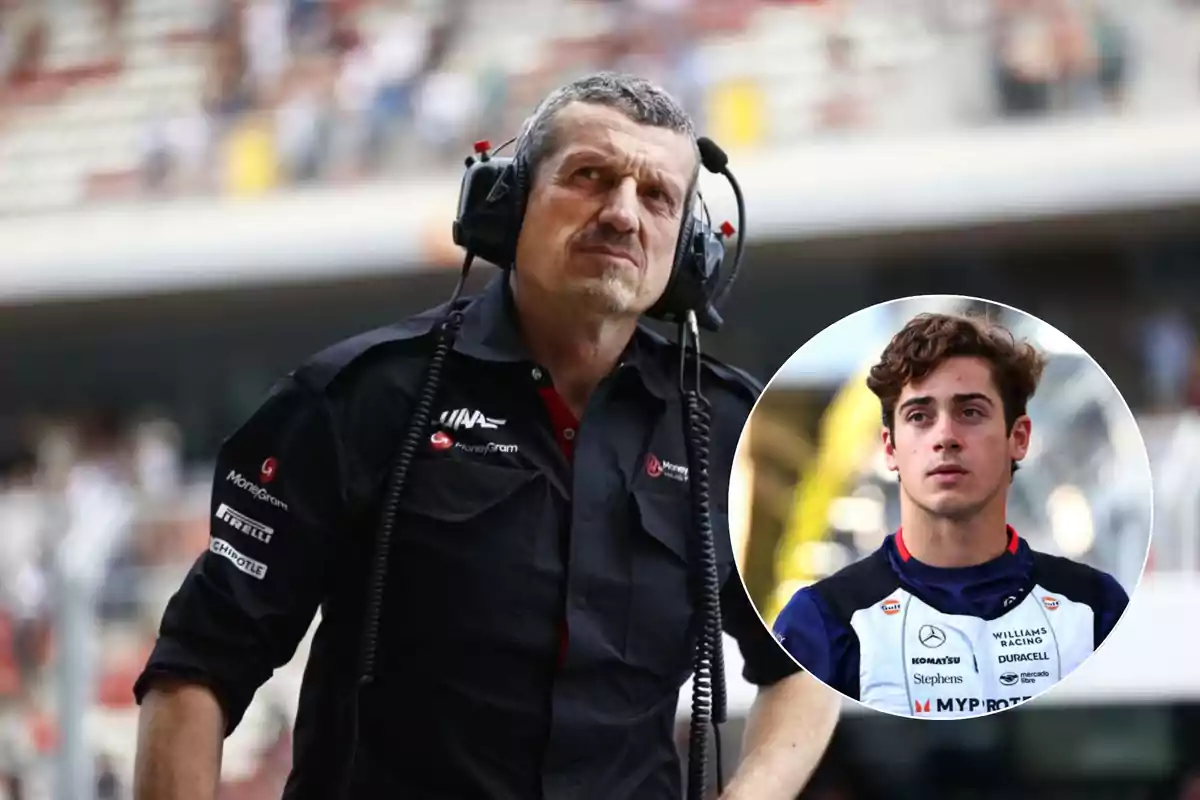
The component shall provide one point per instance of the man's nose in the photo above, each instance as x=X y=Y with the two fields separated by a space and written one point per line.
x=946 y=436
x=620 y=210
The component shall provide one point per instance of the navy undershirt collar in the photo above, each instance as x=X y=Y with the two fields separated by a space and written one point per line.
x=985 y=590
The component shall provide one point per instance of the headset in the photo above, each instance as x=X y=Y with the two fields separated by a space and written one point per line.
x=491 y=208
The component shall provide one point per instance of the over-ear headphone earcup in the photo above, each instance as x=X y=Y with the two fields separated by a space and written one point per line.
x=694 y=276
x=490 y=204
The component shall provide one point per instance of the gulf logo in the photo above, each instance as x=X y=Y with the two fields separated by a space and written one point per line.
x=890 y=606
x=1051 y=603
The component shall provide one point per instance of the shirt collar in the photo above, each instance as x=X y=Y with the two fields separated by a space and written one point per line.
x=489 y=327
x=491 y=332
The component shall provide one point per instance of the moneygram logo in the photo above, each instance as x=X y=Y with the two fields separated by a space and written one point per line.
x=254 y=490
x=655 y=467
x=490 y=447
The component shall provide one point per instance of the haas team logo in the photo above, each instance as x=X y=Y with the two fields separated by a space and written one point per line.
x=267 y=473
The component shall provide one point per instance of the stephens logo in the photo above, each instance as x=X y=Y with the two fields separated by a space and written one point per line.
x=657 y=468
x=936 y=679
x=890 y=606
x=441 y=441
x=267 y=473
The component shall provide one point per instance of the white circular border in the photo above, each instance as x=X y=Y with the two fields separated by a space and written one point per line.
x=742 y=439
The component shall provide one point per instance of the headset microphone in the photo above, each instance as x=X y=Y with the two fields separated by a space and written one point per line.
x=491 y=208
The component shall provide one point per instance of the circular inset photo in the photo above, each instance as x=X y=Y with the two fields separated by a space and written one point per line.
x=951 y=504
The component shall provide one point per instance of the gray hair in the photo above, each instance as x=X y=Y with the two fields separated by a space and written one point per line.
x=643 y=101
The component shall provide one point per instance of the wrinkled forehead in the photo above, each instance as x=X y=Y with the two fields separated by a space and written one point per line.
x=954 y=379
x=584 y=131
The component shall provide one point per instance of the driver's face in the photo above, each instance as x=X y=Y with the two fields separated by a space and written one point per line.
x=950 y=444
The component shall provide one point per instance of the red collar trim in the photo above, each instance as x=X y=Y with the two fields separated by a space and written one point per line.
x=902 y=549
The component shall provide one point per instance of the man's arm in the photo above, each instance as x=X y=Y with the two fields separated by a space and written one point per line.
x=788 y=729
x=248 y=599
x=792 y=718
x=180 y=731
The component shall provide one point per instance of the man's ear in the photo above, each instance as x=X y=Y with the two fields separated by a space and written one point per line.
x=889 y=448
x=1018 y=439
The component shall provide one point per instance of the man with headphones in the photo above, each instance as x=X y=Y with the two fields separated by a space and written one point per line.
x=537 y=619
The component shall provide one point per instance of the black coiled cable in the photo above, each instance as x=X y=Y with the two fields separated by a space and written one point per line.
x=414 y=435
x=708 y=658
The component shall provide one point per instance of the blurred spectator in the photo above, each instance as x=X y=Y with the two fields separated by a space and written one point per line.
x=1025 y=58
x=229 y=90
x=176 y=150
x=1075 y=46
x=108 y=785
x=1169 y=351
x=113 y=13
x=1112 y=53
x=265 y=43
x=29 y=34
x=398 y=54
x=22 y=579
x=846 y=101
x=302 y=121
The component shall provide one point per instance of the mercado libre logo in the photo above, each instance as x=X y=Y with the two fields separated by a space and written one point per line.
x=267 y=473
x=441 y=441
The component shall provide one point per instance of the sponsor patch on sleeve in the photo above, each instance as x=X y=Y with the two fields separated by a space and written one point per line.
x=255 y=569
x=245 y=524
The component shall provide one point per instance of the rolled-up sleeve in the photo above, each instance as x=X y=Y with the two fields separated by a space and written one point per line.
x=248 y=600
x=764 y=660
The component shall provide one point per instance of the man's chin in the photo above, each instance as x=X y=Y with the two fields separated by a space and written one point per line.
x=607 y=295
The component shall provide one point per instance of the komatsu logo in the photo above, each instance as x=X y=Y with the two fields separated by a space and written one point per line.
x=461 y=418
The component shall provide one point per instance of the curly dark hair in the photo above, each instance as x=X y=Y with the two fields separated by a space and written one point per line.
x=927 y=340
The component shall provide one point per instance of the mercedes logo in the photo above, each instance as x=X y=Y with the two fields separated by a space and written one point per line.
x=931 y=636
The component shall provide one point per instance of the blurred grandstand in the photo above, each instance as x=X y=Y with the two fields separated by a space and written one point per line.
x=196 y=194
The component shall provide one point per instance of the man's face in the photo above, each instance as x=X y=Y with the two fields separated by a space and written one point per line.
x=949 y=443
x=604 y=212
